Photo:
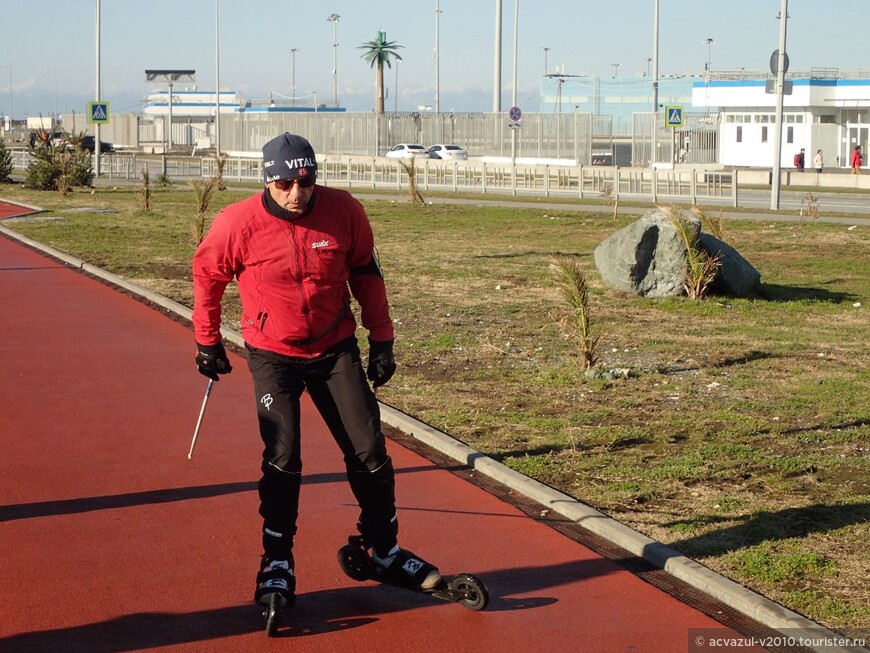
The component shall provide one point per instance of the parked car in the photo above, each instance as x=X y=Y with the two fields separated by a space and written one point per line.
x=89 y=143
x=406 y=151
x=441 y=151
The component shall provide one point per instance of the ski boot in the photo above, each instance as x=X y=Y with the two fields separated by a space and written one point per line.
x=276 y=589
x=403 y=569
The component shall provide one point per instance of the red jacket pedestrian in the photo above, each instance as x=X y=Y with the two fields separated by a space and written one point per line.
x=857 y=160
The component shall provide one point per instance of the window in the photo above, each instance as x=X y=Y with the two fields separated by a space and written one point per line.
x=739 y=134
x=764 y=134
x=789 y=135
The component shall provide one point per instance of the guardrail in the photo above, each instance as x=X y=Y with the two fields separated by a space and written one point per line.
x=434 y=175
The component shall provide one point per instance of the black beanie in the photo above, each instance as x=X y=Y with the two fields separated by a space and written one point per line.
x=288 y=156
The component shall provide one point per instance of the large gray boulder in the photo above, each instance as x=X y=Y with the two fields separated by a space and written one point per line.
x=648 y=257
x=736 y=276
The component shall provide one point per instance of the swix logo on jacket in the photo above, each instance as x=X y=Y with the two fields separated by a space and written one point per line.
x=294 y=277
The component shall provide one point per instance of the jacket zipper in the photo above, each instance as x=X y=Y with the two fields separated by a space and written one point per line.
x=306 y=309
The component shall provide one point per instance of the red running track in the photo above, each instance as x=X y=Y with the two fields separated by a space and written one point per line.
x=112 y=540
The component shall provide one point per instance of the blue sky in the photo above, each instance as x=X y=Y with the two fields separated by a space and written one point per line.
x=50 y=46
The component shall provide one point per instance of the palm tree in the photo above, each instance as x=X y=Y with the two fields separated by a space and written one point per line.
x=377 y=53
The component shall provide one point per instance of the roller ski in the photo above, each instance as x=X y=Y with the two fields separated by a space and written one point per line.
x=276 y=590
x=403 y=569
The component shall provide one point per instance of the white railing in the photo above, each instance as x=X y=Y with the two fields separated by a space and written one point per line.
x=541 y=180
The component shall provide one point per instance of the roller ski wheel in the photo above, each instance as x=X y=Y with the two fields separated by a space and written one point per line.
x=465 y=589
x=469 y=591
x=354 y=561
x=272 y=614
x=276 y=590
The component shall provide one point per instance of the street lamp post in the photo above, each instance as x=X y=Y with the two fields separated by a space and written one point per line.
x=708 y=66
x=97 y=144
x=514 y=97
x=615 y=68
x=496 y=77
x=217 y=82
x=648 y=61
x=655 y=83
x=396 y=90
x=333 y=18
x=10 y=95
x=437 y=57
x=545 y=51
x=293 y=52
x=776 y=173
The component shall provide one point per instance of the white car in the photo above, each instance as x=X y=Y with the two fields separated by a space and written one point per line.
x=441 y=151
x=406 y=151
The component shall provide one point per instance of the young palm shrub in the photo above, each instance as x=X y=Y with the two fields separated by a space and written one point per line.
x=701 y=268
x=5 y=162
x=204 y=190
x=569 y=278
x=146 y=193
x=220 y=162
x=715 y=227
x=414 y=195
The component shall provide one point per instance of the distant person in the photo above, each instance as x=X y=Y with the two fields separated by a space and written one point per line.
x=818 y=161
x=299 y=251
x=799 y=160
x=856 y=160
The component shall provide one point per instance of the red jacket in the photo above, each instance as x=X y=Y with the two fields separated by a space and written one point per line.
x=295 y=276
x=856 y=159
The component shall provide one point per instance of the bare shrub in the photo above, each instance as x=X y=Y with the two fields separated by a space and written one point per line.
x=809 y=206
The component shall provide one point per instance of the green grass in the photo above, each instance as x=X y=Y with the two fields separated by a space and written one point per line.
x=743 y=440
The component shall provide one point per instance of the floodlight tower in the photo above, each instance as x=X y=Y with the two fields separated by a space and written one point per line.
x=333 y=18
x=170 y=77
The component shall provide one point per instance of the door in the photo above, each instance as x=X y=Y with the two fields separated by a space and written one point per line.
x=856 y=135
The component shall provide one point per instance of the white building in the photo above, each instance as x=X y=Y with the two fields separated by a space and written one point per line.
x=190 y=103
x=826 y=110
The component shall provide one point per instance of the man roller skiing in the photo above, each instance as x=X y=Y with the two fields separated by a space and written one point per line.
x=299 y=252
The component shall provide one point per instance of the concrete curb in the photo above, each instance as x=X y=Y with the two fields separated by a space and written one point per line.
x=746 y=601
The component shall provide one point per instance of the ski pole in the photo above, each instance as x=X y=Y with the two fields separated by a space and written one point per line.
x=199 y=420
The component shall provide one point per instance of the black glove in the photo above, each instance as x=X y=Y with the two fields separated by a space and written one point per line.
x=212 y=360
x=382 y=364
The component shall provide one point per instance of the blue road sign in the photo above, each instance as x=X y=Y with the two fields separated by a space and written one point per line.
x=98 y=112
x=515 y=113
x=674 y=116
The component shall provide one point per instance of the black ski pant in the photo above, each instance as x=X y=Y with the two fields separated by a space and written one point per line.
x=337 y=385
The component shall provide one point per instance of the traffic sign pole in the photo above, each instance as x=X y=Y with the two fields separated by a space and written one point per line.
x=776 y=176
x=515 y=114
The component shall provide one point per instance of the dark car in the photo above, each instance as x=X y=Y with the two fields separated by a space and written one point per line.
x=89 y=143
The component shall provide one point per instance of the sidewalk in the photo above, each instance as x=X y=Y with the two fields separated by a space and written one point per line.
x=114 y=541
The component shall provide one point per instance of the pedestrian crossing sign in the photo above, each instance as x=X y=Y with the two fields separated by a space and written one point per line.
x=674 y=116
x=98 y=112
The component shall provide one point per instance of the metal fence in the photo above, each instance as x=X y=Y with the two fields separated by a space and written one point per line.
x=574 y=138
x=472 y=176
